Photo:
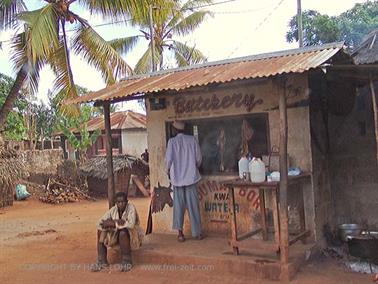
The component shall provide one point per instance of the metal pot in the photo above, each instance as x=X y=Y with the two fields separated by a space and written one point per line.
x=346 y=230
x=365 y=247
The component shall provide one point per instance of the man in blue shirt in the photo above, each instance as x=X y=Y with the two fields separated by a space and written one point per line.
x=182 y=159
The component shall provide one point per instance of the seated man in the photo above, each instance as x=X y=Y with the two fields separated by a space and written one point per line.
x=119 y=226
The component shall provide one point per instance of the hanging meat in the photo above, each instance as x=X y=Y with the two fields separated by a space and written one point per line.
x=246 y=136
x=221 y=141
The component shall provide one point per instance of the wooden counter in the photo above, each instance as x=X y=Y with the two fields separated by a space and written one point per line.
x=264 y=188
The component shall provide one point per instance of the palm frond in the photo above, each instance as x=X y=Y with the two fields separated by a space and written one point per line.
x=19 y=54
x=9 y=9
x=21 y=59
x=180 y=59
x=59 y=65
x=144 y=63
x=186 y=55
x=64 y=85
x=43 y=30
x=72 y=110
x=116 y=10
x=190 y=23
x=124 y=45
x=100 y=54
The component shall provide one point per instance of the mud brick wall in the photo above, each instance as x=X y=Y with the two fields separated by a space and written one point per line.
x=353 y=165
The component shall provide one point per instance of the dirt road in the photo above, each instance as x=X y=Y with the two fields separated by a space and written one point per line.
x=43 y=244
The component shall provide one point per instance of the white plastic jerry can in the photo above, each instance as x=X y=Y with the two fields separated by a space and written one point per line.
x=243 y=166
x=257 y=170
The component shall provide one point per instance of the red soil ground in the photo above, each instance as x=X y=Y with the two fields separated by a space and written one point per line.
x=43 y=243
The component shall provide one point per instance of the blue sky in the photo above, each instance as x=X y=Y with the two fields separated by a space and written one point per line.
x=238 y=28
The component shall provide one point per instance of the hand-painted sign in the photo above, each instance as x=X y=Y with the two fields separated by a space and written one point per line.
x=214 y=201
x=191 y=104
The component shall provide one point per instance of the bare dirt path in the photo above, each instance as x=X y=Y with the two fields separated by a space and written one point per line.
x=42 y=244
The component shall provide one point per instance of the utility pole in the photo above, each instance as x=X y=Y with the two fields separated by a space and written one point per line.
x=299 y=23
x=152 y=42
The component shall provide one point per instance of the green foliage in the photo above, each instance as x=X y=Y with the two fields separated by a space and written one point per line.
x=45 y=120
x=351 y=26
x=356 y=23
x=15 y=127
x=83 y=138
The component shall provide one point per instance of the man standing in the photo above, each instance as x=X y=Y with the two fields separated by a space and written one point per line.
x=118 y=227
x=182 y=160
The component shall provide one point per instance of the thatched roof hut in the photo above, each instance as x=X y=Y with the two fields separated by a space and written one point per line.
x=96 y=167
x=367 y=51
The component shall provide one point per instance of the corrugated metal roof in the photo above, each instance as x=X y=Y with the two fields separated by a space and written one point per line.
x=255 y=66
x=119 y=120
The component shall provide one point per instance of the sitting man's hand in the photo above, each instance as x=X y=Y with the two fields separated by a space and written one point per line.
x=108 y=224
x=120 y=222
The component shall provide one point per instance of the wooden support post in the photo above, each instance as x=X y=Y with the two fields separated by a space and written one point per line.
x=109 y=154
x=276 y=219
x=375 y=111
x=231 y=208
x=264 y=226
x=284 y=224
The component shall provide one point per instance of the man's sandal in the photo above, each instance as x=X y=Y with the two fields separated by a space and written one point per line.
x=199 y=237
x=180 y=238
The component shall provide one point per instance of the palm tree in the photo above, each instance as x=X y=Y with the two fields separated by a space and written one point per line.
x=170 y=20
x=41 y=40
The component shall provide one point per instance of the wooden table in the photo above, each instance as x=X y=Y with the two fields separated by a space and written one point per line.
x=263 y=187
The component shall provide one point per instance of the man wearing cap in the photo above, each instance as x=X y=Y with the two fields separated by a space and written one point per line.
x=182 y=159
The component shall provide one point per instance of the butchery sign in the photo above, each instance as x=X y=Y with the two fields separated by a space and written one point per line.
x=190 y=104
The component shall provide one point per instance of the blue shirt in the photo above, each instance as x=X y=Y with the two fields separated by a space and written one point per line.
x=182 y=160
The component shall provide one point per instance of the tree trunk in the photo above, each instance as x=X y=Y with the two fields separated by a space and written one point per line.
x=42 y=140
x=12 y=96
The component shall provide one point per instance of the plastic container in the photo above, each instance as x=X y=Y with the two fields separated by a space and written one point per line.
x=257 y=170
x=243 y=166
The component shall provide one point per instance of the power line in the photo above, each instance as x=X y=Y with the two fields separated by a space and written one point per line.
x=240 y=12
x=257 y=27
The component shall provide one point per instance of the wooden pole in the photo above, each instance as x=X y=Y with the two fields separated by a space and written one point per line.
x=152 y=43
x=300 y=23
x=375 y=111
x=109 y=154
x=284 y=224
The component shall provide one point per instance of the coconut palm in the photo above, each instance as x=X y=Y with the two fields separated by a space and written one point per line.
x=41 y=40
x=174 y=18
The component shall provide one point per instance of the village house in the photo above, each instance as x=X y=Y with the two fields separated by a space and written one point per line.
x=129 y=135
x=303 y=102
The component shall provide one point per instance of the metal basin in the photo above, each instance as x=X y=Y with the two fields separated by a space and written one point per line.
x=352 y=230
x=365 y=247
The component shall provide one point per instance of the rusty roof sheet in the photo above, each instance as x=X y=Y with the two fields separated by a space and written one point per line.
x=249 y=67
x=119 y=120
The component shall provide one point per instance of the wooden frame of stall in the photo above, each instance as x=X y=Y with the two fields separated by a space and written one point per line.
x=280 y=83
